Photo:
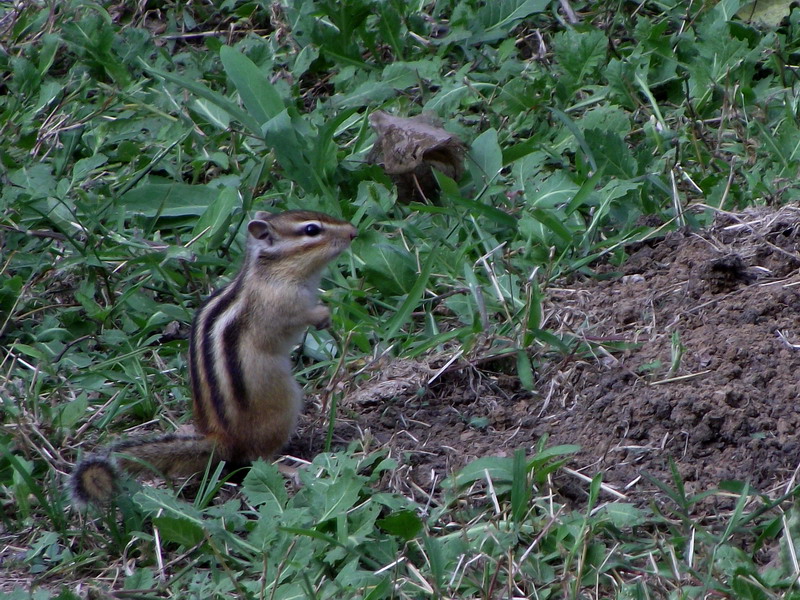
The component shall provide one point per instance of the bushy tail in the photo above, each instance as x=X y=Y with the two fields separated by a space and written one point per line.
x=96 y=477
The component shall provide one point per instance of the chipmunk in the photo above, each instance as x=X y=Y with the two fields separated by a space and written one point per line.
x=245 y=397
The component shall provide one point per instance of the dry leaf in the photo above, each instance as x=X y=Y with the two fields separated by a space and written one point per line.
x=408 y=148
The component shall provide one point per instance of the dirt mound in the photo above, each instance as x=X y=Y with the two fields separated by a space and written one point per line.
x=709 y=376
x=713 y=380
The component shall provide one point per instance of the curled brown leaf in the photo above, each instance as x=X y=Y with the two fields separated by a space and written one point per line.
x=408 y=148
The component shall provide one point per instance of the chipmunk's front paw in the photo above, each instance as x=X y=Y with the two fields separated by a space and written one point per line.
x=321 y=317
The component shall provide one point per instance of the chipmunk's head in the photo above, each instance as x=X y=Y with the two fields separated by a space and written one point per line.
x=298 y=243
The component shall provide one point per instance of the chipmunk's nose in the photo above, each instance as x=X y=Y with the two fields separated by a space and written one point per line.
x=353 y=233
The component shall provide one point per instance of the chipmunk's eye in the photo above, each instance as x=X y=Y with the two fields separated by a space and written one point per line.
x=312 y=229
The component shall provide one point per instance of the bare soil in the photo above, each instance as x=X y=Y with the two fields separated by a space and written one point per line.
x=709 y=376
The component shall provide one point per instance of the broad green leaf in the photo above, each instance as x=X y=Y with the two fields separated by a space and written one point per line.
x=179 y=531
x=304 y=59
x=73 y=411
x=214 y=223
x=25 y=485
x=579 y=52
x=93 y=37
x=169 y=199
x=370 y=92
x=264 y=484
x=210 y=95
x=390 y=26
x=573 y=128
x=258 y=95
x=495 y=19
x=436 y=560
x=37 y=179
x=520 y=488
x=85 y=166
x=613 y=156
x=10 y=289
x=324 y=158
x=547 y=454
x=399 y=76
x=388 y=267
x=404 y=74
x=486 y=210
x=291 y=150
x=215 y=115
x=582 y=195
x=162 y=503
x=765 y=12
x=381 y=590
x=402 y=523
x=525 y=370
x=499 y=469
x=624 y=515
x=615 y=189
x=331 y=498
x=550 y=191
x=726 y=9
x=534 y=312
x=47 y=55
x=521 y=150
x=504 y=13
x=486 y=155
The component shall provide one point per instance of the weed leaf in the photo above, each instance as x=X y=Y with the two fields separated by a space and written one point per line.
x=258 y=95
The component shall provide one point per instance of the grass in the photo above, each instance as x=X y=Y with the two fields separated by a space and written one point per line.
x=138 y=136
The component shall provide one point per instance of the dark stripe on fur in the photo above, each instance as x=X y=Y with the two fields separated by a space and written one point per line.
x=224 y=299
x=233 y=363
x=151 y=440
x=196 y=376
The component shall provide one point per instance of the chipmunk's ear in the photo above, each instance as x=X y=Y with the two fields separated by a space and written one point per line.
x=261 y=230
